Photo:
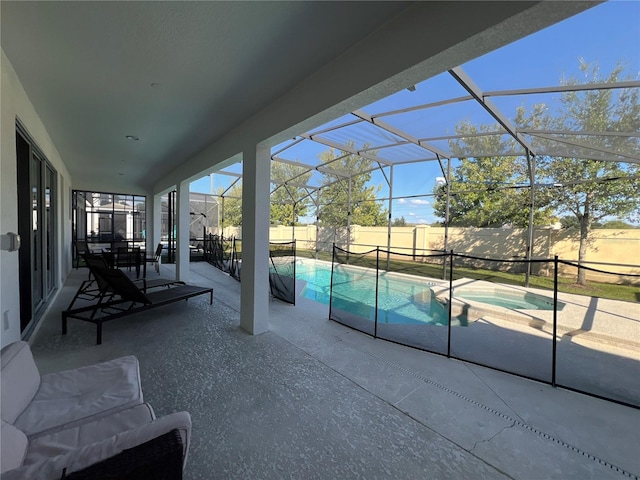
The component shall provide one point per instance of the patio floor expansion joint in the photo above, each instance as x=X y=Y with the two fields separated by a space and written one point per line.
x=514 y=421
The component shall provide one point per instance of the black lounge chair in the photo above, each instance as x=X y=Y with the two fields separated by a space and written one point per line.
x=120 y=297
x=91 y=290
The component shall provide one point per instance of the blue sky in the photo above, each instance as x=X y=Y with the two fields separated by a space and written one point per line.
x=607 y=34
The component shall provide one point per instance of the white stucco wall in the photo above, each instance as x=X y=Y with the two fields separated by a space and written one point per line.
x=14 y=103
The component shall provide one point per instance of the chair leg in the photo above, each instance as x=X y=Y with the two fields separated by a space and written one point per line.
x=84 y=286
x=99 y=333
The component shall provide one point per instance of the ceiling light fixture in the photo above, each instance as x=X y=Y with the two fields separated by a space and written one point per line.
x=132 y=138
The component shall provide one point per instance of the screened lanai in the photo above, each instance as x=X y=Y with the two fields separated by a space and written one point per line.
x=495 y=127
x=511 y=181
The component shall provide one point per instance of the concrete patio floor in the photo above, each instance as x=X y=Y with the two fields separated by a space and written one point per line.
x=314 y=399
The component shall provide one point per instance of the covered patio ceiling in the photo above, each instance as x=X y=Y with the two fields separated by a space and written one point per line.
x=424 y=132
x=422 y=123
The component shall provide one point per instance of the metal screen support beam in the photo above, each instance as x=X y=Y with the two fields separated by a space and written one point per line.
x=531 y=166
x=446 y=220
x=293 y=222
x=396 y=131
x=349 y=218
x=317 y=220
x=293 y=211
x=468 y=84
x=390 y=216
x=222 y=219
x=344 y=148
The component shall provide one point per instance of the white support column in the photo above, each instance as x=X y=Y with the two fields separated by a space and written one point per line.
x=154 y=227
x=254 y=291
x=182 y=237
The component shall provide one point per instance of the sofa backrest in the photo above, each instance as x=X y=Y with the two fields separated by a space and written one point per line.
x=20 y=380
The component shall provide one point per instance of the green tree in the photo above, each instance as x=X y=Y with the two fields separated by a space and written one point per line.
x=282 y=199
x=399 y=222
x=287 y=197
x=231 y=206
x=617 y=225
x=590 y=190
x=487 y=191
x=334 y=194
x=586 y=189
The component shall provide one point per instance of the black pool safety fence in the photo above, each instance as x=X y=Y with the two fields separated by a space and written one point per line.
x=282 y=271
x=445 y=303
x=226 y=255
x=217 y=251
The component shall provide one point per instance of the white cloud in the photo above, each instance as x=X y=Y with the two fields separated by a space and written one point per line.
x=417 y=201
x=423 y=220
x=402 y=200
x=412 y=214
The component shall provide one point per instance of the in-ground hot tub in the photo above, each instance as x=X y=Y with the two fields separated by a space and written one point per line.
x=474 y=299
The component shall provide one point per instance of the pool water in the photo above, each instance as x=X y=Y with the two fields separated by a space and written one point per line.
x=527 y=301
x=401 y=300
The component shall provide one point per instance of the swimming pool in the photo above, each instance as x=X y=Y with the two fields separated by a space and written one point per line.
x=402 y=299
x=408 y=299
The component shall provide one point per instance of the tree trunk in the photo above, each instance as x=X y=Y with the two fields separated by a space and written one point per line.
x=585 y=226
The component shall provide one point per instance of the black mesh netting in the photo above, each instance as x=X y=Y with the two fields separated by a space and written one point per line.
x=532 y=318
x=217 y=251
x=353 y=289
x=282 y=271
x=226 y=255
x=235 y=262
x=408 y=311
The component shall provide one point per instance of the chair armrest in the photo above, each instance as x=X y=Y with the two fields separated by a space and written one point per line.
x=157 y=459
x=81 y=458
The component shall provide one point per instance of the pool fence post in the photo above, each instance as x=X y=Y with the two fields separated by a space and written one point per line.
x=295 y=259
x=375 y=315
x=450 y=302
x=333 y=258
x=555 y=320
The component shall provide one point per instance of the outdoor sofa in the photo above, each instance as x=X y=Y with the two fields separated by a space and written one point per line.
x=90 y=422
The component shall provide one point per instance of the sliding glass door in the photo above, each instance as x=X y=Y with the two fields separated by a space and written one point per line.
x=36 y=181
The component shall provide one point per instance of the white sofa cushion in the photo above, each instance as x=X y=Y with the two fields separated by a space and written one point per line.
x=71 y=397
x=65 y=441
x=20 y=380
x=14 y=447
x=78 y=459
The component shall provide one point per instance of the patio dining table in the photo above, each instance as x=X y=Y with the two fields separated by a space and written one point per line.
x=127 y=257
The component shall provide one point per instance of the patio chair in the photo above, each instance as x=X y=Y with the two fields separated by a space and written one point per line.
x=128 y=257
x=91 y=289
x=121 y=297
x=81 y=248
x=155 y=260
